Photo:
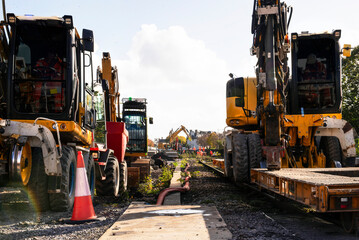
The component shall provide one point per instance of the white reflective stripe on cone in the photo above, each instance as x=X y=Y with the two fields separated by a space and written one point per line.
x=82 y=186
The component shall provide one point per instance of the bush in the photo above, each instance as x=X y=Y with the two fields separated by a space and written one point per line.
x=153 y=187
x=146 y=188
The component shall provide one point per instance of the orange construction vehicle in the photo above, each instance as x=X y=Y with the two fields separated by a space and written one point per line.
x=280 y=121
x=173 y=136
x=134 y=115
x=47 y=114
x=110 y=134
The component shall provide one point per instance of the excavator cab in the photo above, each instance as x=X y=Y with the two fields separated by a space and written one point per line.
x=45 y=70
x=135 y=119
x=47 y=106
x=241 y=97
x=315 y=86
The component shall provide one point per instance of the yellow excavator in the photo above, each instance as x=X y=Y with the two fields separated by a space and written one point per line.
x=46 y=102
x=278 y=120
x=173 y=135
x=110 y=135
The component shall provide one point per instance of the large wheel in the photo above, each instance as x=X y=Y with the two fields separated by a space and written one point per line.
x=255 y=150
x=240 y=159
x=37 y=183
x=228 y=170
x=332 y=151
x=111 y=185
x=4 y=178
x=26 y=164
x=64 y=200
x=90 y=171
x=123 y=176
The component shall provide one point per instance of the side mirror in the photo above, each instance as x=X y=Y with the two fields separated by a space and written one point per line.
x=88 y=40
x=90 y=120
x=98 y=76
x=347 y=50
x=150 y=120
x=239 y=102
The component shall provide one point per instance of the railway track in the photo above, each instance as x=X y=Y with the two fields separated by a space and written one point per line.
x=298 y=210
x=211 y=166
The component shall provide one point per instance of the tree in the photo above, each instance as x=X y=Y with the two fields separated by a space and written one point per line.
x=350 y=86
x=213 y=140
x=150 y=143
x=202 y=140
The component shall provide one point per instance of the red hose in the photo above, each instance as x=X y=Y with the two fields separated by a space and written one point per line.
x=185 y=188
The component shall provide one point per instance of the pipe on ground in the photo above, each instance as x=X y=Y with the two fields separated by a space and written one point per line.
x=185 y=188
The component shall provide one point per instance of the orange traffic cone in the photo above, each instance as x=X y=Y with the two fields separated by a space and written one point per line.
x=83 y=209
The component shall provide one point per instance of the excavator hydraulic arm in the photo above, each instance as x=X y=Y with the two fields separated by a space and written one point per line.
x=270 y=45
x=173 y=135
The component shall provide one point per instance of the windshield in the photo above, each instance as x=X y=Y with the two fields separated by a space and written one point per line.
x=39 y=69
x=99 y=104
x=136 y=127
x=316 y=73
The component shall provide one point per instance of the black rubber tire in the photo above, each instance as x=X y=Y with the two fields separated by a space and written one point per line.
x=255 y=150
x=64 y=201
x=123 y=176
x=111 y=185
x=228 y=170
x=37 y=185
x=91 y=175
x=331 y=149
x=240 y=159
x=4 y=179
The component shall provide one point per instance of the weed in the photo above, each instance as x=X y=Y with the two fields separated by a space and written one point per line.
x=175 y=164
x=190 y=154
x=184 y=163
x=146 y=188
x=124 y=196
x=195 y=174
x=151 y=187
x=166 y=176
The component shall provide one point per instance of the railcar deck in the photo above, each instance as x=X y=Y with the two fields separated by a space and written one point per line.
x=322 y=189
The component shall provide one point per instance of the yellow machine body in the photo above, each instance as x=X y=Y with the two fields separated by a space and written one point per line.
x=69 y=131
x=238 y=117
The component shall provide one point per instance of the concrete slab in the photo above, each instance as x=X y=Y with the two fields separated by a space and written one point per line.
x=149 y=222
x=175 y=181
x=175 y=197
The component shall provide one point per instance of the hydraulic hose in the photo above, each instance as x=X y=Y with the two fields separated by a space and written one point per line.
x=185 y=188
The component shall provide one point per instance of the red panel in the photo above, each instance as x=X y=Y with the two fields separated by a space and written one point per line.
x=117 y=138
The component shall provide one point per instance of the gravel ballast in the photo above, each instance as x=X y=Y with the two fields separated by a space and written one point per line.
x=250 y=214
x=247 y=213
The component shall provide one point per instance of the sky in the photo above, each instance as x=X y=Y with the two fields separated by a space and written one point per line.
x=178 y=53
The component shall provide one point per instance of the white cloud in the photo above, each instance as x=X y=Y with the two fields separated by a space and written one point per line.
x=183 y=80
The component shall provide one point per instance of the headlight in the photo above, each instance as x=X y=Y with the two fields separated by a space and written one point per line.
x=95 y=155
